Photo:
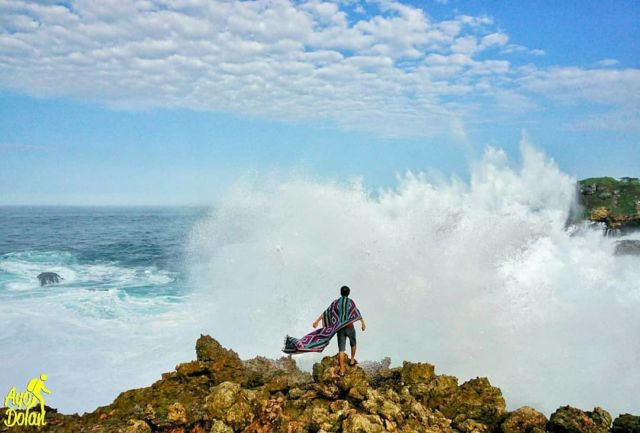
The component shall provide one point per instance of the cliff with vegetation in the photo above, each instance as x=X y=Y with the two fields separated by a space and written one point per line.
x=613 y=202
x=219 y=393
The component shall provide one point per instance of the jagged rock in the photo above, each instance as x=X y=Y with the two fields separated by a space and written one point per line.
x=280 y=374
x=49 y=278
x=414 y=373
x=321 y=415
x=436 y=393
x=471 y=426
x=220 y=427
x=626 y=423
x=177 y=413
x=477 y=400
x=384 y=403
x=230 y=403
x=269 y=419
x=353 y=384
x=360 y=423
x=218 y=393
x=137 y=426
x=419 y=418
x=214 y=361
x=568 y=419
x=524 y=420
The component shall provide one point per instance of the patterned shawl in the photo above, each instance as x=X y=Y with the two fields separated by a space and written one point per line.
x=342 y=312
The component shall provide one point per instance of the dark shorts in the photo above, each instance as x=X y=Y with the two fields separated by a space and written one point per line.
x=349 y=331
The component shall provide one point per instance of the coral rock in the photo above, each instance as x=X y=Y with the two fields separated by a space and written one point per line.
x=524 y=420
x=476 y=399
x=568 y=419
x=230 y=403
x=413 y=373
x=359 y=423
x=626 y=423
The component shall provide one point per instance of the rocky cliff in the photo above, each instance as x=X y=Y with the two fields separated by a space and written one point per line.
x=613 y=202
x=219 y=393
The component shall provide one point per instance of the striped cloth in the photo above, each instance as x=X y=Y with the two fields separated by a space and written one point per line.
x=342 y=312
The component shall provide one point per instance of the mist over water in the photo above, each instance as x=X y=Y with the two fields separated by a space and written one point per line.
x=481 y=278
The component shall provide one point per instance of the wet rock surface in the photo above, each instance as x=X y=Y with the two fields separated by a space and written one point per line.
x=47 y=278
x=219 y=393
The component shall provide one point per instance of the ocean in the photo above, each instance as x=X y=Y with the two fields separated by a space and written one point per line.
x=124 y=280
x=480 y=278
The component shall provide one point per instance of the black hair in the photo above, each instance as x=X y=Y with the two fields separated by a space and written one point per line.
x=344 y=291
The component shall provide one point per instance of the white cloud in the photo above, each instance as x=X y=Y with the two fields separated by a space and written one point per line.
x=616 y=87
x=395 y=71
x=494 y=39
x=608 y=62
x=515 y=48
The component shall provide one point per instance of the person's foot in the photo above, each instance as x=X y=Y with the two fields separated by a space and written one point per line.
x=353 y=362
x=341 y=373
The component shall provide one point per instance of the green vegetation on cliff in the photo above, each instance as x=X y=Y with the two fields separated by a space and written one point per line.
x=612 y=201
x=220 y=393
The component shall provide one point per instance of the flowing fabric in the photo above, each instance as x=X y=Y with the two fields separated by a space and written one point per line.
x=342 y=312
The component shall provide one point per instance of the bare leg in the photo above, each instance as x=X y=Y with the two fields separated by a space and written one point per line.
x=341 y=356
x=353 y=355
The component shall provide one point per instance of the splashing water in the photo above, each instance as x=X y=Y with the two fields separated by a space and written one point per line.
x=480 y=279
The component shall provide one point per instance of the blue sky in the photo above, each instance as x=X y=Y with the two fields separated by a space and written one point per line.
x=171 y=101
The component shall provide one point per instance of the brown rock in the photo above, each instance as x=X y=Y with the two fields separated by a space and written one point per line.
x=177 y=413
x=413 y=373
x=477 y=400
x=230 y=403
x=524 y=420
x=568 y=419
x=331 y=385
x=360 y=423
x=626 y=423
x=137 y=426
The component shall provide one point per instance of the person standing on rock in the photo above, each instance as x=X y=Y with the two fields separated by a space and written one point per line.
x=338 y=318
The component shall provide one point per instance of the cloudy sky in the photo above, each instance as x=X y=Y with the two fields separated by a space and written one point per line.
x=170 y=101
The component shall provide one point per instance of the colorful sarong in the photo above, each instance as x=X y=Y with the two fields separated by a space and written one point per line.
x=342 y=312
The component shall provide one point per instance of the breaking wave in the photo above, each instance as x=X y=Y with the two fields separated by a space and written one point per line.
x=480 y=278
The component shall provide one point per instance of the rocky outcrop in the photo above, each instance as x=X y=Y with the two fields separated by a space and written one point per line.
x=571 y=420
x=524 y=420
x=219 y=393
x=47 y=278
x=615 y=203
x=626 y=423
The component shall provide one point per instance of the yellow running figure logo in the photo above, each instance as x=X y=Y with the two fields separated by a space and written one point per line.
x=19 y=404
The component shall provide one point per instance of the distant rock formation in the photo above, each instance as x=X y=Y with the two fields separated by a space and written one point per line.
x=220 y=393
x=49 y=278
x=613 y=202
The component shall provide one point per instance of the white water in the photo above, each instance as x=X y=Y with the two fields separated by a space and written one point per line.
x=481 y=279
x=88 y=334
